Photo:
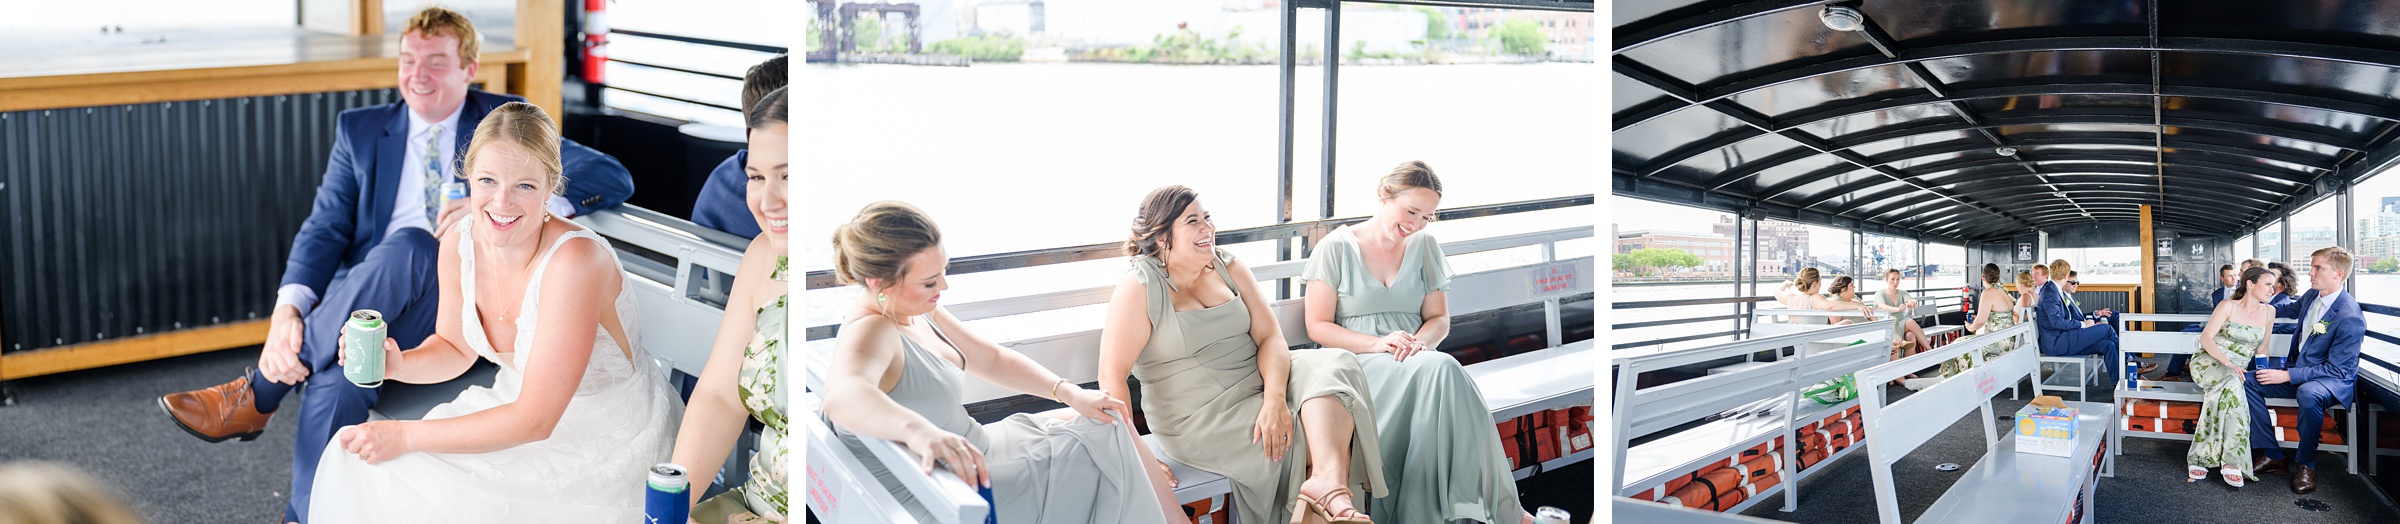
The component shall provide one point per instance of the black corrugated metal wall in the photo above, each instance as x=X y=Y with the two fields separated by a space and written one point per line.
x=136 y=219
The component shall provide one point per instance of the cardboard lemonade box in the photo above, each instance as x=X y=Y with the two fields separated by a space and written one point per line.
x=2046 y=427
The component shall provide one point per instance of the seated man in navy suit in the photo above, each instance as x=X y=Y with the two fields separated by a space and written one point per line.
x=2322 y=370
x=2063 y=331
x=724 y=202
x=369 y=243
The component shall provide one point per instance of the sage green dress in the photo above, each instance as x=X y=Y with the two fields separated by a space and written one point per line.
x=2223 y=434
x=1201 y=391
x=763 y=497
x=1437 y=433
x=1044 y=470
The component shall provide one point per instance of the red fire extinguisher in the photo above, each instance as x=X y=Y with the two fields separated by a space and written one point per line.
x=595 y=41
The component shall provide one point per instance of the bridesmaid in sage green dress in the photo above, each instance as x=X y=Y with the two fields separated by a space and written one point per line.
x=897 y=371
x=2233 y=334
x=1379 y=289
x=741 y=380
x=1219 y=386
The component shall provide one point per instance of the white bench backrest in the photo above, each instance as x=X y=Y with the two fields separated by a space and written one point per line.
x=1642 y=411
x=1900 y=427
x=676 y=324
x=850 y=491
x=1075 y=355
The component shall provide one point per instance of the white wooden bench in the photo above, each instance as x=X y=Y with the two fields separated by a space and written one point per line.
x=1767 y=395
x=1623 y=509
x=1072 y=354
x=841 y=487
x=2006 y=486
x=2183 y=343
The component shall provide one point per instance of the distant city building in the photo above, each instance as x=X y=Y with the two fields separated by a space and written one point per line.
x=1716 y=253
x=1776 y=240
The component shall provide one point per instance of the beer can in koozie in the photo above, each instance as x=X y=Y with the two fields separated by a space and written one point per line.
x=362 y=348
x=1550 y=515
x=452 y=191
x=668 y=501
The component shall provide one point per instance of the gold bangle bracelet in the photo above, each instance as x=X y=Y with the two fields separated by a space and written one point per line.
x=1054 y=390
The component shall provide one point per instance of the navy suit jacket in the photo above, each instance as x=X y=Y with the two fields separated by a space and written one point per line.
x=2051 y=315
x=2216 y=296
x=362 y=179
x=2279 y=302
x=2331 y=356
x=724 y=202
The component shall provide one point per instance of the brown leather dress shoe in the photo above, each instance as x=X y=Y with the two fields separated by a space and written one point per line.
x=218 y=412
x=2268 y=465
x=2304 y=480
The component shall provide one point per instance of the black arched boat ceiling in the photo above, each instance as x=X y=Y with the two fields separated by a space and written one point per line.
x=2222 y=115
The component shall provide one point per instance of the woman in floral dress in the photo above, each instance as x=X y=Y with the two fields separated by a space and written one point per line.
x=745 y=367
x=2222 y=437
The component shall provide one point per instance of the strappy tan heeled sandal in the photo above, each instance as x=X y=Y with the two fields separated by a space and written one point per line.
x=1315 y=511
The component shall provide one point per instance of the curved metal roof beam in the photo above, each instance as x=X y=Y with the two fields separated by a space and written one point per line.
x=1863 y=138
x=1878 y=204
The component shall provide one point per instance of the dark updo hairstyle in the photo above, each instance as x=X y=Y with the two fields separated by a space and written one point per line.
x=2248 y=276
x=1839 y=283
x=1157 y=215
x=877 y=243
x=1991 y=274
x=2284 y=277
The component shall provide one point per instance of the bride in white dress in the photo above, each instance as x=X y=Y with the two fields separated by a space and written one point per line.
x=578 y=413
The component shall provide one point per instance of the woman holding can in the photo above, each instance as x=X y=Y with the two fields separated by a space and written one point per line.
x=577 y=413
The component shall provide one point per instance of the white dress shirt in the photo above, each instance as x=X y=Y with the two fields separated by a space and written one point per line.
x=408 y=199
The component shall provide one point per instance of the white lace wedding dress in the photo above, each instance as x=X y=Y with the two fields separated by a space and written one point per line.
x=593 y=467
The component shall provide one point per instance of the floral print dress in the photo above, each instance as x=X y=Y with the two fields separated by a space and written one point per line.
x=763 y=498
x=2222 y=436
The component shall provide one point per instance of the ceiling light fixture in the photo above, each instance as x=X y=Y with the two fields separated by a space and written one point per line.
x=2006 y=151
x=1842 y=18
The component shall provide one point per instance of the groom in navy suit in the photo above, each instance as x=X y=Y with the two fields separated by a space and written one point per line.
x=2061 y=328
x=370 y=243
x=2321 y=371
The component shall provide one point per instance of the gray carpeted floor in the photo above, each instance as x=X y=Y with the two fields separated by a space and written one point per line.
x=107 y=422
x=2149 y=485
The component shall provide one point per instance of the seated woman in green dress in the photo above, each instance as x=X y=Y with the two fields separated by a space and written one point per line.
x=2232 y=336
x=1380 y=290
x=896 y=374
x=1219 y=386
x=744 y=366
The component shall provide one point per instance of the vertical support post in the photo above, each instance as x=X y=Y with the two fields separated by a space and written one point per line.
x=2149 y=265
x=1737 y=275
x=1287 y=68
x=2283 y=240
x=1333 y=40
x=541 y=29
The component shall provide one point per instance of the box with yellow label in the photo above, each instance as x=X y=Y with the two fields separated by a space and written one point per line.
x=2046 y=430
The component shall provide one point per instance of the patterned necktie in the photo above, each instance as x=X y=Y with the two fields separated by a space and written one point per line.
x=432 y=160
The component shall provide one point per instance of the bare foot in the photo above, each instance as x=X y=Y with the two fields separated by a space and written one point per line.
x=1340 y=506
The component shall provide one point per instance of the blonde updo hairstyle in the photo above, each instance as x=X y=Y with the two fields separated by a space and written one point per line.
x=877 y=243
x=1806 y=282
x=527 y=127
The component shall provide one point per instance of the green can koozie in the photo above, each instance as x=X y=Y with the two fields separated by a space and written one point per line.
x=362 y=348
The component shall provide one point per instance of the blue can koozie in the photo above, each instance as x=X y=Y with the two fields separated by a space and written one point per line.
x=2133 y=375
x=668 y=500
x=2259 y=363
x=994 y=516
